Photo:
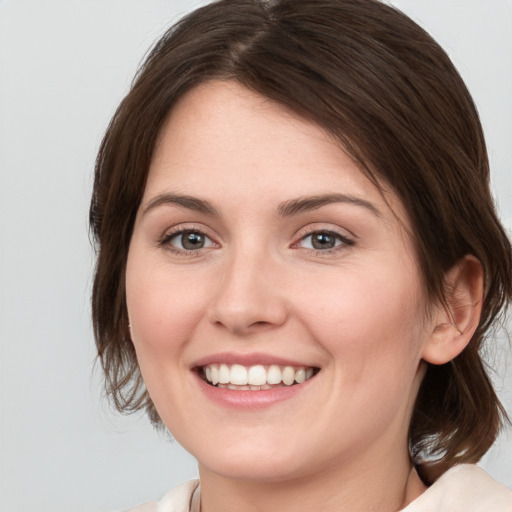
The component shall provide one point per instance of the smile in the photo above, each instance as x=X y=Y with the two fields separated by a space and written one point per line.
x=256 y=377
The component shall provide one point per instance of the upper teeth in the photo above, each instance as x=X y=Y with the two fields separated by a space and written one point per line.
x=257 y=375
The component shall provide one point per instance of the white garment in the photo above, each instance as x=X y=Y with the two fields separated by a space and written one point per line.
x=184 y=498
x=464 y=488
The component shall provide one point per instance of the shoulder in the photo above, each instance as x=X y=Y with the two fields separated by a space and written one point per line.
x=178 y=499
x=464 y=488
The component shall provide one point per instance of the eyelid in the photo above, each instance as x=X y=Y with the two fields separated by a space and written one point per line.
x=164 y=241
x=347 y=238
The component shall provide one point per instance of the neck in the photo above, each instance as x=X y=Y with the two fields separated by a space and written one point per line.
x=365 y=487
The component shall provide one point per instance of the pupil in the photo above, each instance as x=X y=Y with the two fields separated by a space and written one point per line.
x=192 y=241
x=323 y=241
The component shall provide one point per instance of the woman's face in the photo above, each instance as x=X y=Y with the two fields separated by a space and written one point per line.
x=261 y=252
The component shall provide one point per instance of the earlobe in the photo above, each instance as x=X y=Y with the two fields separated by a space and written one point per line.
x=457 y=319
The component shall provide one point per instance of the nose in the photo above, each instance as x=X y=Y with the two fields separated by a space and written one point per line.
x=250 y=297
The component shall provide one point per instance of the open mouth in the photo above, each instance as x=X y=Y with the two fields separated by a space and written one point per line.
x=256 y=377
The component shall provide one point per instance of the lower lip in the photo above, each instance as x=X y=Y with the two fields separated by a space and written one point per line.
x=247 y=399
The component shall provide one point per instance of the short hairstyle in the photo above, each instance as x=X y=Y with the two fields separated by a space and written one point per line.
x=382 y=87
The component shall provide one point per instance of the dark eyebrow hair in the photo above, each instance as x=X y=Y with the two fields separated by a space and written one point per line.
x=285 y=209
x=308 y=203
x=192 y=203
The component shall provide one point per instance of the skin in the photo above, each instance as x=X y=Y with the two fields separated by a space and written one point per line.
x=258 y=286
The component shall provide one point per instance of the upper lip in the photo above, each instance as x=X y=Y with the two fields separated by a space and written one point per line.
x=248 y=360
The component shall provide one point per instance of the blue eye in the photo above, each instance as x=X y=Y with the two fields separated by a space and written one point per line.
x=187 y=240
x=324 y=241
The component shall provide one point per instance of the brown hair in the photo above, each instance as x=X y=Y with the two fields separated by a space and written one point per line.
x=386 y=90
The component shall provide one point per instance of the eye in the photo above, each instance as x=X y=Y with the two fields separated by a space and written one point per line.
x=187 y=240
x=324 y=240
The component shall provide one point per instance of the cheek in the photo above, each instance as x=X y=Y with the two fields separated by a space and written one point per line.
x=371 y=322
x=164 y=311
x=163 y=308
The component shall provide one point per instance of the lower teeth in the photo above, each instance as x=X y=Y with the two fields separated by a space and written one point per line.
x=250 y=387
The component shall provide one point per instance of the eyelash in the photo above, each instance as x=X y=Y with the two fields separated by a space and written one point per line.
x=174 y=233
x=344 y=241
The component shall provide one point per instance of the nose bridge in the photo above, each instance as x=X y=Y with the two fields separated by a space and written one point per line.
x=247 y=297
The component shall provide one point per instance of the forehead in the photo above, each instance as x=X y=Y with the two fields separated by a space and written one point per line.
x=225 y=139
x=225 y=121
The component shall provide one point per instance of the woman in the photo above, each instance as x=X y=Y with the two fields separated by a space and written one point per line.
x=299 y=260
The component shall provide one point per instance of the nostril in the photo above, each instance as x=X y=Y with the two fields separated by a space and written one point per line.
x=254 y=310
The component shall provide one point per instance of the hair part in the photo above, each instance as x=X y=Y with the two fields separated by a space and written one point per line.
x=390 y=95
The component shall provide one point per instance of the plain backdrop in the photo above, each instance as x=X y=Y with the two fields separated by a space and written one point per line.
x=64 y=67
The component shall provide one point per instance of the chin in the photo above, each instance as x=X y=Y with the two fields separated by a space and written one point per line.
x=265 y=470
x=268 y=461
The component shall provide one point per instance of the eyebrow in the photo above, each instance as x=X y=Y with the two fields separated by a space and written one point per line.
x=192 y=203
x=309 y=203
x=285 y=209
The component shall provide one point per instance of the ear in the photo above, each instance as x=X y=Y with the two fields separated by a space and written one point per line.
x=455 y=322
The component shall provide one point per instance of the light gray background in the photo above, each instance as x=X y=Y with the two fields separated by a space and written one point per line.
x=64 y=66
